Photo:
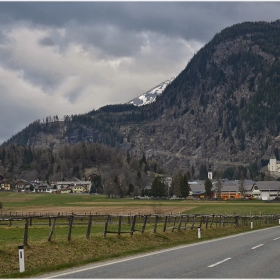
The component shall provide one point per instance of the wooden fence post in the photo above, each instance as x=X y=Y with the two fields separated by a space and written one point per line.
x=180 y=222
x=133 y=224
x=71 y=218
x=144 y=224
x=120 y=225
x=186 y=221
x=106 y=226
x=236 y=221
x=52 y=229
x=193 y=221
x=164 y=226
x=25 y=238
x=156 y=221
x=201 y=220
x=89 y=226
x=174 y=224
x=206 y=225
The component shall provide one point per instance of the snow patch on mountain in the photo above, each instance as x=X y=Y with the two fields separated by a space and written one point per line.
x=150 y=96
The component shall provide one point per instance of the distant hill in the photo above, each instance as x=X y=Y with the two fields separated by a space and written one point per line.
x=221 y=111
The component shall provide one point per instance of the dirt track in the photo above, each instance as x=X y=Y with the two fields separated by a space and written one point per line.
x=156 y=209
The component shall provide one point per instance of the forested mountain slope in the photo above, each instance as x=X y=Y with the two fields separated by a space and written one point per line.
x=222 y=110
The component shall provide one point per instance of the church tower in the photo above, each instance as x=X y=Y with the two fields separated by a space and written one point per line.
x=272 y=163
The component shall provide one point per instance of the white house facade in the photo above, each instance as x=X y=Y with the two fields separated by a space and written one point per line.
x=274 y=165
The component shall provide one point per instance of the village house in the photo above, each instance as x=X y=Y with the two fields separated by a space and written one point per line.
x=41 y=187
x=64 y=184
x=22 y=185
x=6 y=185
x=79 y=189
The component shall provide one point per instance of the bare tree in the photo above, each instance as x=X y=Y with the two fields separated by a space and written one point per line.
x=241 y=186
x=219 y=185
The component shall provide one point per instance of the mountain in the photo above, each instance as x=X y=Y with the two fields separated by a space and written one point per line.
x=221 y=111
x=150 y=95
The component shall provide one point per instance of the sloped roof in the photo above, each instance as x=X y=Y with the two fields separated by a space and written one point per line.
x=268 y=185
x=272 y=155
x=233 y=185
x=228 y=185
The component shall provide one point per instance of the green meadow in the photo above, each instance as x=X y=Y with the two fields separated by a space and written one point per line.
x=43 y=256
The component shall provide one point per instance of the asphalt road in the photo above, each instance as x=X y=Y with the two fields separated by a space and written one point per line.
x=255 y=254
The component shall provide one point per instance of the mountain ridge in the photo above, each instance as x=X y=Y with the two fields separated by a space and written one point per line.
x=220 y=111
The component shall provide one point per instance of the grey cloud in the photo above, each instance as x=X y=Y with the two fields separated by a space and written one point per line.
x=47 y=41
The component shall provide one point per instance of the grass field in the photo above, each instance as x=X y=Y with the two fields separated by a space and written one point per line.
x=42 y=256
x=54 y=203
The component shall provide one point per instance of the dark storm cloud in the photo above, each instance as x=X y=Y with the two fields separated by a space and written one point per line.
x=190 y=20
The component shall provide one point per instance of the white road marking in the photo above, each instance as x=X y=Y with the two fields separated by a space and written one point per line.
x=276 y=238
x=93 y=266
x=212 y=265
x=257 y=246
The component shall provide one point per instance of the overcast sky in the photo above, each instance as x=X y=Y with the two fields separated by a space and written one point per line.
x=63 y=58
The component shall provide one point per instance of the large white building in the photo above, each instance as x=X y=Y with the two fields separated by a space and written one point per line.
x=274 y=165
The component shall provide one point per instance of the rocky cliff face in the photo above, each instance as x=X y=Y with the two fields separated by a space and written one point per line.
x=221 y=110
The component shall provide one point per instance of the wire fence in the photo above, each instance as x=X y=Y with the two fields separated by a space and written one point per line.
x=37 y=226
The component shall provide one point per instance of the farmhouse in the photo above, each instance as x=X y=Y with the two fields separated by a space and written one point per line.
x=268 y=190
x=79 y=189
x=64 y=184
x=5 y=185
x=22 y=185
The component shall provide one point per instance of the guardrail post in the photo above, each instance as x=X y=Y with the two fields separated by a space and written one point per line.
x=21 y=258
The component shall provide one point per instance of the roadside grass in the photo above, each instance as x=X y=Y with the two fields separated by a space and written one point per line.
x=43 y=257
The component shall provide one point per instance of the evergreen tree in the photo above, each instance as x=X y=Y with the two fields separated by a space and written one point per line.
x=175 y=185
x=184 y=186
x=158 y=187
x=208 y=187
